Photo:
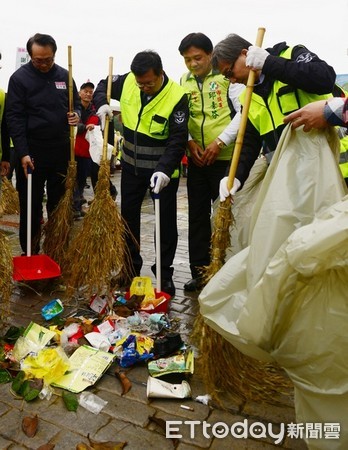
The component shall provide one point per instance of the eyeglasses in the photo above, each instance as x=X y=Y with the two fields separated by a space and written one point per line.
x=150 y=84
x=229 y=72
x=43 y=61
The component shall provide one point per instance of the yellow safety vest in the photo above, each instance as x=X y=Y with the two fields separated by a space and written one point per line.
x=210 y=112
x=152 y=120
x=2 y=107
x=283 y=100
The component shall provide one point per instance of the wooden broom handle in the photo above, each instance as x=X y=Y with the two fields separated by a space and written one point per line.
x=244 y=117
x=71 y=105
x=108 y=98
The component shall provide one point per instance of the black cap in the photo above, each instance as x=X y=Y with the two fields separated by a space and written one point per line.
x=87 y=84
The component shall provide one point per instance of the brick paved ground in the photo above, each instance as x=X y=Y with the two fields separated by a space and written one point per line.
x=126 y=418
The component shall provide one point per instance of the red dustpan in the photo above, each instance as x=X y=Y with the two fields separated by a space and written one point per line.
x=34 y=267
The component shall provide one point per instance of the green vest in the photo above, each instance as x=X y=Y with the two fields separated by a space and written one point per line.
x=154 y=119
x=2 y=107
x=282 y=100
x=210 y=112
x=344 y=156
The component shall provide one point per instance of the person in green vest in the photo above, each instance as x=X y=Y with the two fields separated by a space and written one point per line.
x=154 y=116
x=213 y=127
x=287 y=78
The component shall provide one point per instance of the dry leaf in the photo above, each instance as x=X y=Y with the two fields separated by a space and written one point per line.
x=83 y=446
x=109 y=445
x=29 y=425
x=126 y=384
x=46 y=447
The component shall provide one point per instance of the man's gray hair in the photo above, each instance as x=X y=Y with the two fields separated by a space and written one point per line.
x=229 y=49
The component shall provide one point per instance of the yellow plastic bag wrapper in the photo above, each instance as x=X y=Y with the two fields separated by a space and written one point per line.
x=284 y=297
x=143 y=286
x=49 y=364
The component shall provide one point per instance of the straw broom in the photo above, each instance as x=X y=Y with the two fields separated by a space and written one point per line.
x=6 y=270
x=98 y=252
x=58 y=226
x=9 y=200
x=224 y=368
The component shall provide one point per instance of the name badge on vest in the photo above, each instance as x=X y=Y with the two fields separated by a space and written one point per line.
x=60 y=85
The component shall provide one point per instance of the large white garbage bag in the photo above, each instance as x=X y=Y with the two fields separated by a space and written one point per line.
x=284 y=296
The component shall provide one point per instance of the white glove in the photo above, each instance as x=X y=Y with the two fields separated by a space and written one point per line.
x=224 y=192
x=103 y=111
x=158 y=181
x=256 y=57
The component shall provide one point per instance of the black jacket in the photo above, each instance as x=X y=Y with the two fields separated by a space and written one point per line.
x=37 y=106
x=303 y=71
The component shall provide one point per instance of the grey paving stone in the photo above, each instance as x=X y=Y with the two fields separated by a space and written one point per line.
x=126 y=418
x=127 y=410
x=137 y=438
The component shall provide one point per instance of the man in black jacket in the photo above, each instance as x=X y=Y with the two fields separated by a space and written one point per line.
x=38 y=119
x=287 y=78
x=154 y=116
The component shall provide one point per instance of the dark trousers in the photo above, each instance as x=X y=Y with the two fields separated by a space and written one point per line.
x=54 y=178
x=83 y=170
x=133 y=190
x=202 y=189
x=86 y=167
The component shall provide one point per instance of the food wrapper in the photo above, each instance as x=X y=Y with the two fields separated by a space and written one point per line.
x=52 y=309
x=143 y=286
x=49 y=364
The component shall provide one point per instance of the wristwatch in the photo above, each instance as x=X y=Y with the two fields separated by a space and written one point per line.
x=220 y=143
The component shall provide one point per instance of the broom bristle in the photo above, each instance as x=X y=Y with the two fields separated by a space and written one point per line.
x=98 y=251
x=224 y=369
x=58 y=226
x=6 y=270
x=9 y=200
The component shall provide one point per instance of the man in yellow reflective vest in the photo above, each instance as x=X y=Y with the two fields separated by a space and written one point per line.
x=154 y=116
x=287 y=78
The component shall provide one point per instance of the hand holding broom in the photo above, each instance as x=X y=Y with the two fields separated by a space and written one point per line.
x=220 y=240
x=244 y=117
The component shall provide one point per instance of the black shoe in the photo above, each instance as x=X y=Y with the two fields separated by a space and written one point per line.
x=195 y=284
x=168 y=287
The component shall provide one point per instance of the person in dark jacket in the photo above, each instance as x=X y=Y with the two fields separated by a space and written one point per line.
x=154 y=116
x=287 y=78
x=38 y=119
